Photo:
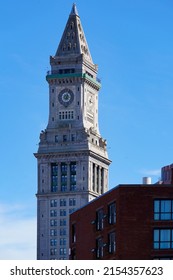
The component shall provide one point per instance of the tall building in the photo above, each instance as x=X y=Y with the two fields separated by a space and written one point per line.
x=129 y=222
x=72 y=156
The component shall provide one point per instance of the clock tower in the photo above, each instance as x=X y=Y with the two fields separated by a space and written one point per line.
x=72 y=156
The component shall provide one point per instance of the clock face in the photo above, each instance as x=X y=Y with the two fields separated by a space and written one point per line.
x=66 y=97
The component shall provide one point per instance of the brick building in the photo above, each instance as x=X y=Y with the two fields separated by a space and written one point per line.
x=167 y=174
x=127 y=222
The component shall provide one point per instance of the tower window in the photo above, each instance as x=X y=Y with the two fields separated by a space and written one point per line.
x=53 y=242
x=66 y=115
x=72 y=137
x=54 y=177
x=64 y=138
x=63 y=202
x=72 y=202
x=62 y=212
x=53 y=232
x=53 y=203
x=56 y=138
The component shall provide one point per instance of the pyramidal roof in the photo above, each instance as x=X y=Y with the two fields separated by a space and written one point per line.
x=73 y=41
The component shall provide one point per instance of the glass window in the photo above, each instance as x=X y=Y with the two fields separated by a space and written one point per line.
x=53 y=232
x=53 y=203
x=53 y=242
x=64 y=178
x=62 y=251
x=53 y=213
x=63 y=231
x=99 y=219
x=62 y=241
x=63 y=167
x=112 y=213
x=63 y=202
x=73 y=167
x=99 y=248
x=72 y=201
x=62 y=222
x=163 y=209
x=64 y=138
x=163 y=239
x=73 y=187
x=53 y=251
x=63 y=212
x=111 y=244
x=74 y=233
x=54 y=177
x=53 y=223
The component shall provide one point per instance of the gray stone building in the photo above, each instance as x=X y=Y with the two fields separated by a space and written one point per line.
x=72 y=156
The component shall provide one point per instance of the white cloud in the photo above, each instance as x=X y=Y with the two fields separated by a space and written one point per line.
x=17 y=233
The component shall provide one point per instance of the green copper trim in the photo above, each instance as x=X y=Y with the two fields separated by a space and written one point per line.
x=81 y=75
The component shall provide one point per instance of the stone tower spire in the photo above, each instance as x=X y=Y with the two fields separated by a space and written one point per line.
x=73 y=41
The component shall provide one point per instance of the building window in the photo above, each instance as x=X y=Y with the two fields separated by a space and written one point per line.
x=53 y=232
x=66 y=115
x=99 y=248
x=53 y=242
x=53 y=203
x=53 y=251
x=72 y=137
x=64 y=138
x=64 y=179
x=53 y=213
x=72 y=201
x=73 y=187
x=53 y=223
x=63 y=188
x=62 y=241
x=99 y=219
x=54 y=177
x=73 y=178
x=163 y=239
x=73 y=167
x=111 y=244
x=63 y=168
x=62 y=231
x=56 y=138
x=163 y=209
x=73 y=233
x=63 y=212
x=62 y=222
x=63 y=202
x=62 y=251
x=112 y=213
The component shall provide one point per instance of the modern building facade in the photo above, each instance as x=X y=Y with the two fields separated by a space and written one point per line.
x=129 y=222
x=72 y=156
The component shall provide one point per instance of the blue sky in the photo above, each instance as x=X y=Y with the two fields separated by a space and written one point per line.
x=132 y=43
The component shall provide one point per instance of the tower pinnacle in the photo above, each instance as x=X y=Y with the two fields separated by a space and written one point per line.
x=74 y=10
x=73 y=41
